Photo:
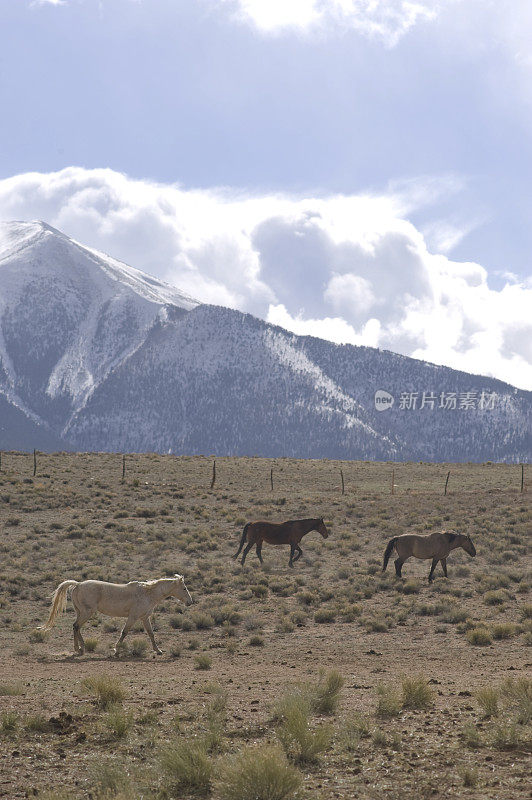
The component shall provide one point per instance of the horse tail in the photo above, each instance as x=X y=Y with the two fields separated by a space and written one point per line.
x=243 y=539
x=59 y=600
x=388 y=552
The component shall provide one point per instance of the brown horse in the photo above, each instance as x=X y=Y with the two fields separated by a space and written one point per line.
x=290 y=532
x=436 y=546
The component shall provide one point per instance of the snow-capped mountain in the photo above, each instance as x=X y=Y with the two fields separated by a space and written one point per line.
x=96 y=355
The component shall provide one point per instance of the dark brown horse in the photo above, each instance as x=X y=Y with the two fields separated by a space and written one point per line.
x=290 y=532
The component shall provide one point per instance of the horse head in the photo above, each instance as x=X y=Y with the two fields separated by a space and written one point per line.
x=180 y=591
x=468 y=545
x=321 y=528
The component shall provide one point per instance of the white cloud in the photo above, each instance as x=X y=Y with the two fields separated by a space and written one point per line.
x=347 y=268
x=387 y=20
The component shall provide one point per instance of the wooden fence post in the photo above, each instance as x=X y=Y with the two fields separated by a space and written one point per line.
x=393 y=481
x=343 y=485
x=522 y=476
x=447 y=481
x=34 y=463
x=123 y=466
x=213 y=481
x=271 y=478
x=0 y=459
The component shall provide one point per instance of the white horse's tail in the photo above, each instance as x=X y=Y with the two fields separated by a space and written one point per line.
x=59 y=601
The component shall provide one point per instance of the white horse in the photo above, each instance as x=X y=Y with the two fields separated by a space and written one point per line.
x=135 y=600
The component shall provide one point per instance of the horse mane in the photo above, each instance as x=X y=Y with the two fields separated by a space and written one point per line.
x=451 y=536
x=308 y=519
x=153 y=581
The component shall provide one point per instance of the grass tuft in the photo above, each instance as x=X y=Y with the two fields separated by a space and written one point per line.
x=417 y=694
x=107 y=689
x=389 y=701
x=259 y=773
x=186 y=767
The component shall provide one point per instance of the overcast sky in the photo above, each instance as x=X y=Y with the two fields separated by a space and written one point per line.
x=356 y=169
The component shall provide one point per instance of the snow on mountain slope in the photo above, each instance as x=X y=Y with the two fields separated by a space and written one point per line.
x=103 y=357
x=69 y=314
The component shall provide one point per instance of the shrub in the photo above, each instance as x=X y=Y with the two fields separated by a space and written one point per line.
x=187 y=767
x=9 y=721
x=469 y=777
x=379 y=738
x=471 y=735
x=202 y=661
x=202 y=620
x=301 y=744
x=324 y=615
x=109 y=778
x=38 y=636
x=118 y=722
x=107 y=689
x=410 y=587
x=256 y=641
x=388 y=701
x=326 y=694
x=259 y=773
x=36 y=723
x=488 y=700
x=505 y=736
x=518 y=695
x=480 y=637
x=526 y=611
x=495 y=598
x=503 y=630
x=138 y=647
x=91 y=644
x=416 y=693
x=355 y=728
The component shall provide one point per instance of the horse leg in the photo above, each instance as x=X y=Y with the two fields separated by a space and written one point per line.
x=433 y=567
x=83 y=616
x=130 y=621
x=149 y=630
x=299 y=553
x=444 y=566
x=258 y=548
x=246 y=551
x=398 y=566
x=292 y=551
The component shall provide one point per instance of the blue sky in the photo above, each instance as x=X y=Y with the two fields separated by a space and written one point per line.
x=321 y=143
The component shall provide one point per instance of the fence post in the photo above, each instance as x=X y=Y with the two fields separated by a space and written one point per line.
x=271 y=478
x=123 y=466
x=34 y=463
x=393 y=481
x=522 y=476
x=342 y=477
x=447 y=481
x=213 y=481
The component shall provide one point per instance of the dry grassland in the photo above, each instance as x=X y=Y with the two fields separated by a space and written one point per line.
x=330 y=680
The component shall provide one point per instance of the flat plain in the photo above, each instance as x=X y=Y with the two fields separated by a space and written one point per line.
x=429 y=686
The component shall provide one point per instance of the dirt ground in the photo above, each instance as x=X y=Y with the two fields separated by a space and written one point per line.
x=255 y=631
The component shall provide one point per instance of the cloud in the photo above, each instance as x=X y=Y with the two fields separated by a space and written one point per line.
x=346 y=268
x=386 y=20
